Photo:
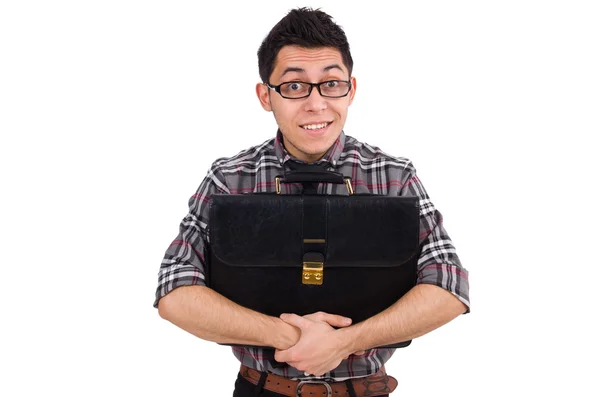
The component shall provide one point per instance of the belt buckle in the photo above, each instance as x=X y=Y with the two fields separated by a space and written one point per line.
x=314 y=382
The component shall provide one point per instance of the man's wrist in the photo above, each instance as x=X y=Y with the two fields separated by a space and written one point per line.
x=286 y=335
x=349 y=339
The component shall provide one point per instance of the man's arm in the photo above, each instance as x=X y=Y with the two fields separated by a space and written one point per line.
x=183 y=298
x=424 y=308
x=207 y=314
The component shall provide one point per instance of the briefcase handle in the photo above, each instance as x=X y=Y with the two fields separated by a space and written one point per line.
x=314 y=176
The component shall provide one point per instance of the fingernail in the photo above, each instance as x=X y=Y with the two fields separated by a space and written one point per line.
x=347 y=320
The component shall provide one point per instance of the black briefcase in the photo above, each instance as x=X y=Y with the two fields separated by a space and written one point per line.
x=350 y=255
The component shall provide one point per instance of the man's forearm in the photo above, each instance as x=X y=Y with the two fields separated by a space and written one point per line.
x=423 y=309
x=208 y=315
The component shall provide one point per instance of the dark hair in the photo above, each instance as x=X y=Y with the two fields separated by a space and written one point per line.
x=306 y=28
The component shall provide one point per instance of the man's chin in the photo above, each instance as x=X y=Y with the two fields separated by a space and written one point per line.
x=311 y=150
x=313 y=154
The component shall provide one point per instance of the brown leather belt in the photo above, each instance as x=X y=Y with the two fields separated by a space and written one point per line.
x=377 y=384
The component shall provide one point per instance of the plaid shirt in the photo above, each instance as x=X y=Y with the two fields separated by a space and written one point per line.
x=371 y=170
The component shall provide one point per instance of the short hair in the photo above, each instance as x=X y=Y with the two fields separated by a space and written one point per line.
x=306 y=28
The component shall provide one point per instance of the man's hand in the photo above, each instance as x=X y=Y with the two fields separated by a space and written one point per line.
x=320 y=348
x=333 y=320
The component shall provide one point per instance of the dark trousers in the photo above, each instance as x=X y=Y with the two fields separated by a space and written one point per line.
x=244 y=388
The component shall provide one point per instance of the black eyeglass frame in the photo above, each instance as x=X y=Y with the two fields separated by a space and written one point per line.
x=277 y=88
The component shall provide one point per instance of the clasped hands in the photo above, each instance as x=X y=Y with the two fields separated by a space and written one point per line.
x=320 y=348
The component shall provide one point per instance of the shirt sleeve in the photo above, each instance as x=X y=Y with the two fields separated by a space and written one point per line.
x=183 y=262
x=438 y=264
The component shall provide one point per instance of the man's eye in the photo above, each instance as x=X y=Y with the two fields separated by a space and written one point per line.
x=295 y=86
x=331 y=84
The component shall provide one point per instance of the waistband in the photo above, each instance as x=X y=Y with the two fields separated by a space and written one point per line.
x=378 y=384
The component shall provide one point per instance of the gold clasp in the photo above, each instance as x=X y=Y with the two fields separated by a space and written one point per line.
x=312 y=273
x=348 y=182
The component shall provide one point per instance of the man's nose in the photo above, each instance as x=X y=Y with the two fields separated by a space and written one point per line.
x=315 y=102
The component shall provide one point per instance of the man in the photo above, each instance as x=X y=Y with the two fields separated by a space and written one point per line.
x=306 y=71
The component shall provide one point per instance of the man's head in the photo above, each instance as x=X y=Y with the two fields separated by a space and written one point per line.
x=306 y=46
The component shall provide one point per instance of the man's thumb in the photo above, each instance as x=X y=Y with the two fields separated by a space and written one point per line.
x=336 y=321
x=294 y=319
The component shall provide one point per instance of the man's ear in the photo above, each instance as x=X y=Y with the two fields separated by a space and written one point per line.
x=262 y=92
x=352 y=90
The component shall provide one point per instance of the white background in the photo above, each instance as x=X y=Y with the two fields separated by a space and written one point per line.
x=111 y=113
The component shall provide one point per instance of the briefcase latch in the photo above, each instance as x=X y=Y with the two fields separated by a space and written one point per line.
x=312 y=273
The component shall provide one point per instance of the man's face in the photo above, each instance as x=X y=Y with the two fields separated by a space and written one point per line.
x=298 y=119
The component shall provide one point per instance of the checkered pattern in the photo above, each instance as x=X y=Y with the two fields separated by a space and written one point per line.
x=372 y=171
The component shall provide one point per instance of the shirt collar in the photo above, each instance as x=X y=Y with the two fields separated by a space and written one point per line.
x=332 y=156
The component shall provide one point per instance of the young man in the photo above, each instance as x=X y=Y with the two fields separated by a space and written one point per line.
x=306 y=71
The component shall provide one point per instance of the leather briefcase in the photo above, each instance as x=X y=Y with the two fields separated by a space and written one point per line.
x=350 y=255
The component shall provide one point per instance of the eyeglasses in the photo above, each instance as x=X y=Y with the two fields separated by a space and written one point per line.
x=302 y=89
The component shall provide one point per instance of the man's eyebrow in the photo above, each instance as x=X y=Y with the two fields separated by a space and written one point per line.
x=293 y=69
x=334 y=66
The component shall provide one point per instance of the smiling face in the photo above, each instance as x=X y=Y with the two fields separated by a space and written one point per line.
x=309 y=125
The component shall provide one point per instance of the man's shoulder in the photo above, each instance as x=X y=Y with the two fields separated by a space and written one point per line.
x=250 y=157
x=367 y=155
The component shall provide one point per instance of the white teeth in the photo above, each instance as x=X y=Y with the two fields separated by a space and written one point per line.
x=314 y=126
